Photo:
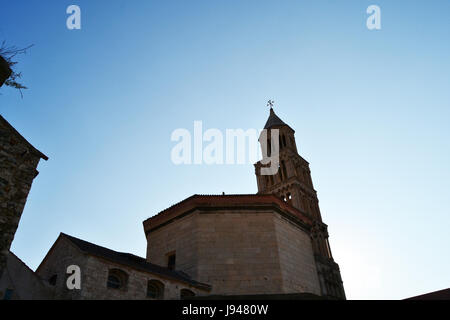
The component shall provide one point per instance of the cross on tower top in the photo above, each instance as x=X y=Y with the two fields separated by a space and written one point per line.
x=270 y=103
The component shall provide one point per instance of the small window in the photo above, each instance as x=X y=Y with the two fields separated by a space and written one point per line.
x=186 y=294
x=117 y=279
x=114 y=282
x=289 y=198
x=155 y=289
x=280 y=173
x=171 y=260
x=52 y=280
x=283 y=166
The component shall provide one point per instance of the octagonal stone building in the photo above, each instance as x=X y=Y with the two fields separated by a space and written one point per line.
x=272 y=242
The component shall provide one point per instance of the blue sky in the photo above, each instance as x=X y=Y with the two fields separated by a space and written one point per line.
x=370 y=109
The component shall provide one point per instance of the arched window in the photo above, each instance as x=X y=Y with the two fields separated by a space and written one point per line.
x=155 y=289
x=117 y=279
x=284 y=140
x=114 y=282
x=299 y=173
x=283 y=167
x=52 y=280
x=186 y=294
x=171 y=261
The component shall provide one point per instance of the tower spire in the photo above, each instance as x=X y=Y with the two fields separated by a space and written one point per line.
x=293 y=184
x=273 y=120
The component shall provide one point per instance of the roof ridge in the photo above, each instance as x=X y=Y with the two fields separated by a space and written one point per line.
x=208 y=195
x=33 y=148
x=96 y=245
x=129 y=259
x=233 y=201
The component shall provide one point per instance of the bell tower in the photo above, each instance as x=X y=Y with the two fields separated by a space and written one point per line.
x=292 y=182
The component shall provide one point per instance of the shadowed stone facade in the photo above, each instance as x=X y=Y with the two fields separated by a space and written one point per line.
x=240 y=244
x=18 y=163
x=96 y=263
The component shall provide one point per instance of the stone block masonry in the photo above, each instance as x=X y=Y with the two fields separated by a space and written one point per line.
x=18 y=164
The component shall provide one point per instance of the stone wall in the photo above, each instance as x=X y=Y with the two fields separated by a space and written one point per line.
x=180 y=237
x=62 y=255
x=18 y=163
x=238 y=251
x=298 y=267
x=94 y=277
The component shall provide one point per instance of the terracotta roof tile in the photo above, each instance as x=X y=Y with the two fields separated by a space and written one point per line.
x=228 y=201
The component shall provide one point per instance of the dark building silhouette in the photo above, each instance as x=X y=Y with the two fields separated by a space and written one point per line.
x=269 y=245
x=18 y=163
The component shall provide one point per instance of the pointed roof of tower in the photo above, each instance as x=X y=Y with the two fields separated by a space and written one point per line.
x=274 y=120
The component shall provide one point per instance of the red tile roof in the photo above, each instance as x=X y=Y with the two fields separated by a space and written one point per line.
x=224 y=201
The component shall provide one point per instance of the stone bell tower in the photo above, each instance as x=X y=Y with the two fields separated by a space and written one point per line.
x=292 y=182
